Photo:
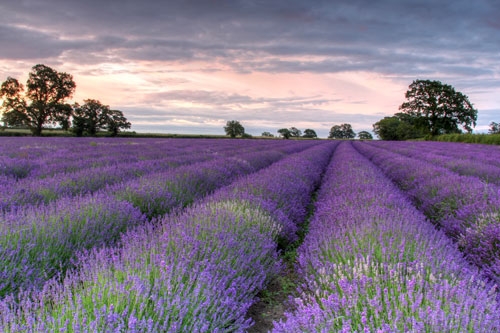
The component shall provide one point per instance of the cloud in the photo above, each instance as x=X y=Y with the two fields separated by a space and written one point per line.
x=22 y=43
x=351 y=35
x=180 y=56
x=211 y=109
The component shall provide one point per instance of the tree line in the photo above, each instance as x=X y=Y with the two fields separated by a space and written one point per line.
x=43 y=102
x=431 y=108
x=234 y=129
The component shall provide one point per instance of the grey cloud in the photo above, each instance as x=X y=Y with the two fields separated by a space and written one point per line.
x=21 y=43
x=218 y=105
x=224 y=101
x=350 y=32
x=454 y=41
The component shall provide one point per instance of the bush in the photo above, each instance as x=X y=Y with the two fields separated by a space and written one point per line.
x=490 y=139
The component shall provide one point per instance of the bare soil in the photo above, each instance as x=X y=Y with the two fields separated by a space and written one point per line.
x=273 y=303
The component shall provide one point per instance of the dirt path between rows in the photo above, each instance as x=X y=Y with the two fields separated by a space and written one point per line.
x=274 y=301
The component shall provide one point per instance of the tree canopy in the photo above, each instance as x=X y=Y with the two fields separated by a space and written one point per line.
x=116 y=122
x=285 y=133
x=494 y=128
x=365 y=135
x=93 y=116
x=267 y=135
x=233 y=128
x=343 y=131
x=398 y=127
x=295 y=132
x=292 y=132
x=431 y=108
x=310 y=133
x=43 y=101
x=437 y=108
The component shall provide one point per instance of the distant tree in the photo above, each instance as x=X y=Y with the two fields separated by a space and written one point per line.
x=267 y=135
x=401 y=126
x=89 y=117
x=343 y=131
x=43 y=102
x=93 y=116
x=14 y=104
x=397 y=128
x=365 y=135
x=494 y=128
x=295 y=132
x=116 y=122
x=285 y=133
x=387 y=128
x=64 y=119
x=309 y=133
x=438 y=108
x=233 y=128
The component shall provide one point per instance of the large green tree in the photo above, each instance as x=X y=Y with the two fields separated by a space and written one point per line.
x=43 y=101
x=93 y=116
x=343 y=131
x=437 y=108
x=233 y=128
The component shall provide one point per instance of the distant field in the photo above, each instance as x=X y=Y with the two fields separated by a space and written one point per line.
x=136 y=234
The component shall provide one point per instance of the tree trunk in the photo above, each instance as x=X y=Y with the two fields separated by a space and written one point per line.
x=37 y=130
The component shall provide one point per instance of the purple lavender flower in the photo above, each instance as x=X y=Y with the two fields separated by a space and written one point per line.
x=195 y=271
x=39 y=242
x=460 y=205
x=371 y=262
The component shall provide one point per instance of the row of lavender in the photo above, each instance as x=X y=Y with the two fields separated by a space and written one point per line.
x=39 y=242
x=88 y=166
x=372 y=263
x=26 y=157
x=196 y=271
x=481 y=161
x=464 y=207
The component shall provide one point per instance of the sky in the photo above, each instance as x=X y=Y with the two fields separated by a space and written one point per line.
x=189 y=66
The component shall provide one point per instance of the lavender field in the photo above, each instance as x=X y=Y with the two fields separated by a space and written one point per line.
x=183 y=235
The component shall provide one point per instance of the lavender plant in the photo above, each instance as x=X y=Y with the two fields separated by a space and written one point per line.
x=482 y=161
x=94 y=174
x=372 y=263
x=288 y=195
x=38 y=243
x=463 y=206
x=157 y=194
x=198 y=271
